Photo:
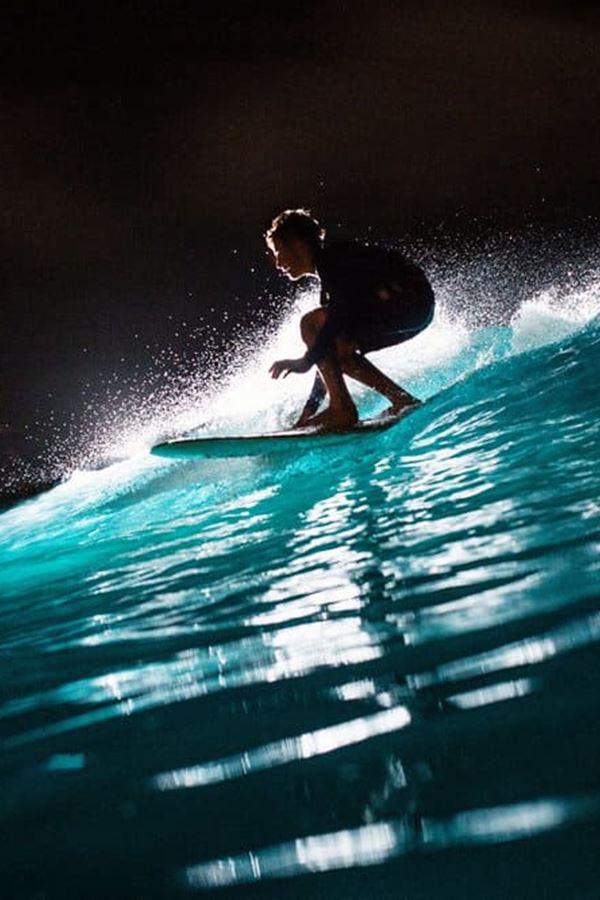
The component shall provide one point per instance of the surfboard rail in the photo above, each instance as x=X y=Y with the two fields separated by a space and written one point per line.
x=235 y=446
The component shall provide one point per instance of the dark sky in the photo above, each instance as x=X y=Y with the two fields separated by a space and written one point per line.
x=143 y=143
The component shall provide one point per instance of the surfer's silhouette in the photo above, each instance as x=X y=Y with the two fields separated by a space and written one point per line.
x=371 y=298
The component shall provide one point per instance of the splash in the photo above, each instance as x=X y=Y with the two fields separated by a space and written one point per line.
x=230 y=391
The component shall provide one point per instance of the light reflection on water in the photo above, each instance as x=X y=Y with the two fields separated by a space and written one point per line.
x=193 y=675
x=373 y=844
x=305 y=746
x=496 y=693
x=527 y=652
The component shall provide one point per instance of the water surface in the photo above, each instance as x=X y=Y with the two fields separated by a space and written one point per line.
x=363 y=670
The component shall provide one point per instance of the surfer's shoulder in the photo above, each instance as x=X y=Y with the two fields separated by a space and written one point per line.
x=358 y=255
x=342 y=248
x=338 y=253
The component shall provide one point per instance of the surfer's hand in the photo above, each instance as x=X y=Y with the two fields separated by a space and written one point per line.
x=285 y=366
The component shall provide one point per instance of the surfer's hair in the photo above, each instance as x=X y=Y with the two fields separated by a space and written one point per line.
x=295 y=224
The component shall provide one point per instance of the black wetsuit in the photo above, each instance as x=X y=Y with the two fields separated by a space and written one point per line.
x=373 y=296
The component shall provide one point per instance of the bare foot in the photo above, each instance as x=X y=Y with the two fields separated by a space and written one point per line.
x=303 y=422
x=334 y=420
x=395 y=408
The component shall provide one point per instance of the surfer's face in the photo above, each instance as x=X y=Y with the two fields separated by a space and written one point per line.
x=294 y=258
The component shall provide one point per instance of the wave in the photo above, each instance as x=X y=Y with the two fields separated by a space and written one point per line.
x=393 y=641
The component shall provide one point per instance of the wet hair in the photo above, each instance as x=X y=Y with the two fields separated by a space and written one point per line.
x=296 y=224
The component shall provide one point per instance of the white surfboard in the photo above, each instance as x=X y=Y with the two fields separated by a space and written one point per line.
x=276 y=441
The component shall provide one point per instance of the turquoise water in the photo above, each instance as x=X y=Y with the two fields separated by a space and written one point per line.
x=363 y=670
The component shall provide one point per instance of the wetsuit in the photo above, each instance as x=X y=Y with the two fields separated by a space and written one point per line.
x=373 y=296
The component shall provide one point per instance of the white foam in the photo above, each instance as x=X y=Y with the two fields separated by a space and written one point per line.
x=554 y=314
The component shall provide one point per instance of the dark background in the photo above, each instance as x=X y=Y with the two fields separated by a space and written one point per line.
x=145 y=146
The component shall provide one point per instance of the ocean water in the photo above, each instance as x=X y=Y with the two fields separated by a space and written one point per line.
x=366 y=670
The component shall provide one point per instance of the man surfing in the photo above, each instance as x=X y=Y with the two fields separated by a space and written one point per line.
x=371 y=298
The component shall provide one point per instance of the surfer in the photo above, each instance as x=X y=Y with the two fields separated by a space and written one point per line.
x=371 y=298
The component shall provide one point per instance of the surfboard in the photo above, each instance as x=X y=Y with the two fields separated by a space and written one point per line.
x=298 y=439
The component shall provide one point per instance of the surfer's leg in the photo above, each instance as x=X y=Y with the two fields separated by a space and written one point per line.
x=387 y=328
x=341 y=411
x=360 y=369
x=397 y=329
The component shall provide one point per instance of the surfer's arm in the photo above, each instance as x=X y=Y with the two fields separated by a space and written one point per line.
x=314 y=354
x=285 y=366
x=315 y=399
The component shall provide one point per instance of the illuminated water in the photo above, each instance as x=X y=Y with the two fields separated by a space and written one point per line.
x=371 y=671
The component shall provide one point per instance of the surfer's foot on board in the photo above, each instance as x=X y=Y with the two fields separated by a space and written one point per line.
x=400 y=401
x=394 y=409
x=334 y=419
